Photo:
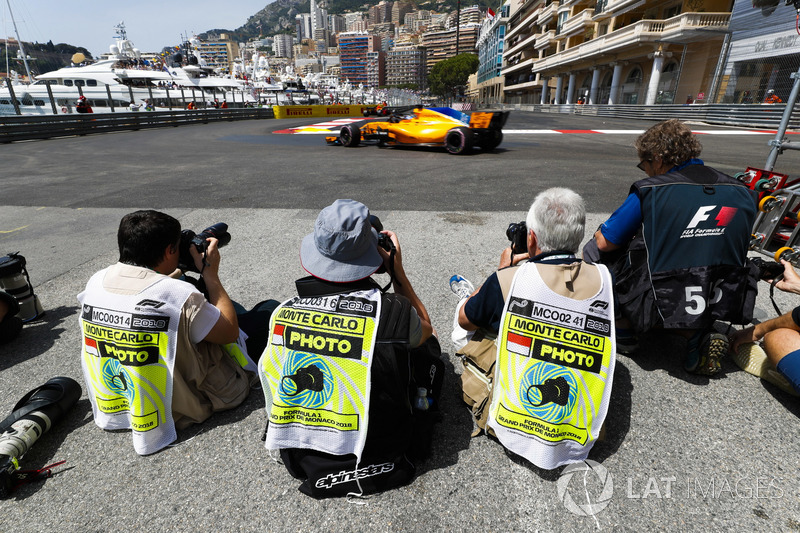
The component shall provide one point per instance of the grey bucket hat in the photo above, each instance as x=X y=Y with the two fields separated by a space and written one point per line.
x=343 y=246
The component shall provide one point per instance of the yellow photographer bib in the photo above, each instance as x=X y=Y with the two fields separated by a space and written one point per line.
x=316 y=372
x=554 y=371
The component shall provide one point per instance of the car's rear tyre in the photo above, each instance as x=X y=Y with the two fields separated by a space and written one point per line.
x=350 y=135
x=366 y=113
x=459 y=140
x=491 y=140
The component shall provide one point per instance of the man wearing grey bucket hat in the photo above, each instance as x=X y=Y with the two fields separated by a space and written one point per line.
x=347 y=360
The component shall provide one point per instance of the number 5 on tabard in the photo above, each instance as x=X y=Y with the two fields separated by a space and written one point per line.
x=694 y=297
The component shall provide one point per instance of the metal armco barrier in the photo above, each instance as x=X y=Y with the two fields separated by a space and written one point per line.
x=27 y=127
x=766 y=116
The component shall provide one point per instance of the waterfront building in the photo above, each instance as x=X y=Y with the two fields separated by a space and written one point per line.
x=219 y=53
x=406 y=65
x=353 y=49
x=441 y=45
x=762 y=53
x=612 y=51
x=489 y=80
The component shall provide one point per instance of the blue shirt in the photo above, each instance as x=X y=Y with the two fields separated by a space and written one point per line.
x=623 y=223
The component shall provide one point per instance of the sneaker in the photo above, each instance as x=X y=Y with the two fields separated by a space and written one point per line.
x=627 y=341
x=704 y=356
x=461 y=287
x=752 y=358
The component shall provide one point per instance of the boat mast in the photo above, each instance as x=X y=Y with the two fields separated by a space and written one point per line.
x=21 y=49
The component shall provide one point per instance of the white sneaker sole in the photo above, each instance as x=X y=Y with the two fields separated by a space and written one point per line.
x=752 y=358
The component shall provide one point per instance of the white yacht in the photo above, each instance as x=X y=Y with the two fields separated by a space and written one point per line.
x=124 y=82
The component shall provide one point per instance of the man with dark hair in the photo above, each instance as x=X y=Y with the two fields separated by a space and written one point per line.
x=343 y=359
x=143 y=236
x=677 y=248
x=157 y=354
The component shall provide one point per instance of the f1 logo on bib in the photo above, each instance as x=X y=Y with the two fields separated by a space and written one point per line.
x=723 y=218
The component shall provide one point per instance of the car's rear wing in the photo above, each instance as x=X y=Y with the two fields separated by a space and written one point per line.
x=491 y=120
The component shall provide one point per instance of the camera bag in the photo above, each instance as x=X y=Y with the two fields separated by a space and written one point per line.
x=478 y=357
x=14 y=280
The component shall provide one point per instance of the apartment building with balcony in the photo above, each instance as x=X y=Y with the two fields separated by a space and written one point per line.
x=219 y=53
x=376 y=69
x=491 y=40
x=406 y=65
x=441 y=45
x=613 y=51
x=282 y=45
x=353 y=50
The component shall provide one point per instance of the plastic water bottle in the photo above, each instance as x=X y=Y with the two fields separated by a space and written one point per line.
x=422 y=402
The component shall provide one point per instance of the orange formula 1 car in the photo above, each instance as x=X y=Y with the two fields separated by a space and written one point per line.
x=429 y=126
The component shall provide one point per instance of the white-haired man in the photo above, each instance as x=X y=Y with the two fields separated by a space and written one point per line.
x=553 y=321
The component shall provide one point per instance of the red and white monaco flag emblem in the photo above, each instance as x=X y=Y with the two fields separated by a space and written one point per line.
x=91 y=346
x=277 y=334
x=518 y=343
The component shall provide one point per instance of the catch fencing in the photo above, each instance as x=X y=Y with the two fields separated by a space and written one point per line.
x=757 y=116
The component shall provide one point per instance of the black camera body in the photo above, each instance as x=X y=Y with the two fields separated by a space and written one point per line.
x=384 y=241
x=517 y=233
x=189 y=238
x=767 y=269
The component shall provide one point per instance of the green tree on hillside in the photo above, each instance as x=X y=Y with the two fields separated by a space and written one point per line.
x=448 y=77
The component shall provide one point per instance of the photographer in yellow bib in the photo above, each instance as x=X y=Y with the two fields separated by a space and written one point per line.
x=549 y=374
x=159 y=354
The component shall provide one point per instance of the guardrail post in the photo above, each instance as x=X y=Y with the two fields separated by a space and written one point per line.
x=110 y=99
x=130 y=92
x=52 y=98
x=13 y=97
x=169 y=102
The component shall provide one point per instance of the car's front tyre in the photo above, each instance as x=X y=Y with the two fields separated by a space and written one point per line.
x=350 y=135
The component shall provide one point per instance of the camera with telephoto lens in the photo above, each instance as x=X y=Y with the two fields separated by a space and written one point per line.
x=189 y=238
x=517 y=233
x=384 y=241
